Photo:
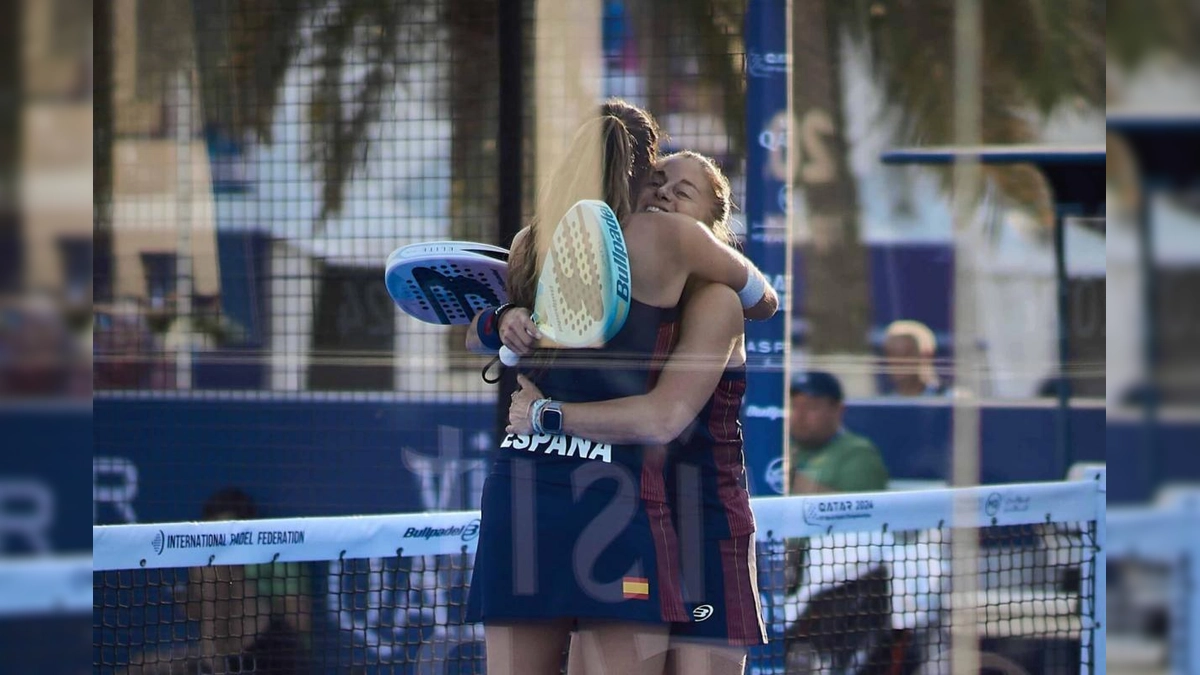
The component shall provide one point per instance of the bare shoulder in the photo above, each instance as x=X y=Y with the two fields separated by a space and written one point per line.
x=644 y=233
x=674 y=222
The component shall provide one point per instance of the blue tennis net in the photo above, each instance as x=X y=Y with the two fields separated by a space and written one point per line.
x=849 y=584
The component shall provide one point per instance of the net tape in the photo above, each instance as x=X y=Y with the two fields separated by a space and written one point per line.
x=149 y=546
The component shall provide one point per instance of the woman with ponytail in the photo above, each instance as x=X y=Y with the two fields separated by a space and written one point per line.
x=576 y=534
x=694 y=407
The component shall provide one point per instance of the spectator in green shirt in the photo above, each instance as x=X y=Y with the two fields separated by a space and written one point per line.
x=825 y=456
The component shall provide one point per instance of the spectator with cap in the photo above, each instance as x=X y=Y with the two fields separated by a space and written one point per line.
x=251 y=618
x=248 y=610
x=908 y=350
x=825 y=456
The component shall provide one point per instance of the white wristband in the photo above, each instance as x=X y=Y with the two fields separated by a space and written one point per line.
x=753 y=291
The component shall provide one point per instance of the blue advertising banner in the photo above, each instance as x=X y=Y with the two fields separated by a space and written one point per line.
x=766 y=239
x=160 y=458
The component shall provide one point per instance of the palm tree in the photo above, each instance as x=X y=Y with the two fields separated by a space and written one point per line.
x=102 y=158
x=670 y=32
x=1139 y=30
x=1038 y=55
x=10 y=153
x=358 y=51
x=836 y=301
x=245 y=48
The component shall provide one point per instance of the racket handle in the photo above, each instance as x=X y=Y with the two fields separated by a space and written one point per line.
x=508 y=357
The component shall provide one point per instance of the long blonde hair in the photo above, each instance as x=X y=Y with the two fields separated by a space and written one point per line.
x=599 y=164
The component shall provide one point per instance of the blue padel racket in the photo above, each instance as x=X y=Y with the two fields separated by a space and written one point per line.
x=583 y=287
x=447 y=282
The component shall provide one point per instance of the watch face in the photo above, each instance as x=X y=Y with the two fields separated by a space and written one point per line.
x=552 y=420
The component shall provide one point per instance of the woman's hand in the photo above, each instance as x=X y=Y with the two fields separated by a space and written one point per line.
x=518 y=332
x=519 y=421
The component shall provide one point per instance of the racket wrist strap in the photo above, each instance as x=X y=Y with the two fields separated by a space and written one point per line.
x=499 y=312
x=755 y=288
x=488 y=327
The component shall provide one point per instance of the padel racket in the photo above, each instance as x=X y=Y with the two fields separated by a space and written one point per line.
x=447 y=282
x=583 y=287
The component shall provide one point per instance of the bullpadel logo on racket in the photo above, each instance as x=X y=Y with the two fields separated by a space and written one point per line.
x=620 y=255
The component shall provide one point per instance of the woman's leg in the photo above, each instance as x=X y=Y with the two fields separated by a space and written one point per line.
x=698 y=658
x=616 y=648
x=526 y=648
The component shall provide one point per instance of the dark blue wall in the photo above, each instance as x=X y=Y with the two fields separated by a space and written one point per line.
x=46 y=447
x=1017 y=442
x=296 y=458
x=304 y=457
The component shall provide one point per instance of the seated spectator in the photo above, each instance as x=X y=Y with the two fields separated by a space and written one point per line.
x=251 y=618
x=244 y=608
x=825 y=456
x=908 y=349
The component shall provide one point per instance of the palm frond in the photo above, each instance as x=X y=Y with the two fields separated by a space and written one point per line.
x=166 y=42
x=1141 y=29
x=265 y=41
x=340 y=127
x=1037 y=55
x=358 y=53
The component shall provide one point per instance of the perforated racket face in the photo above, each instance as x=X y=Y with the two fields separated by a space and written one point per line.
x=583 y=288
x=447 y=283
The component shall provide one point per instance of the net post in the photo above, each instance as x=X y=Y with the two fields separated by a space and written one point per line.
x=1093 y=641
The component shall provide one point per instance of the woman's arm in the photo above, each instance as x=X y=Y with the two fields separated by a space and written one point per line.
x=514 y=326
x=699 y=254
x=709 y=258
x=710 y=327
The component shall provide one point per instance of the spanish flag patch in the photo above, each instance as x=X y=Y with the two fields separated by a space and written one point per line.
x=636 y=588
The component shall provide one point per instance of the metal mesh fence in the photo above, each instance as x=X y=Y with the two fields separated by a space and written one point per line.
x=266 y=157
